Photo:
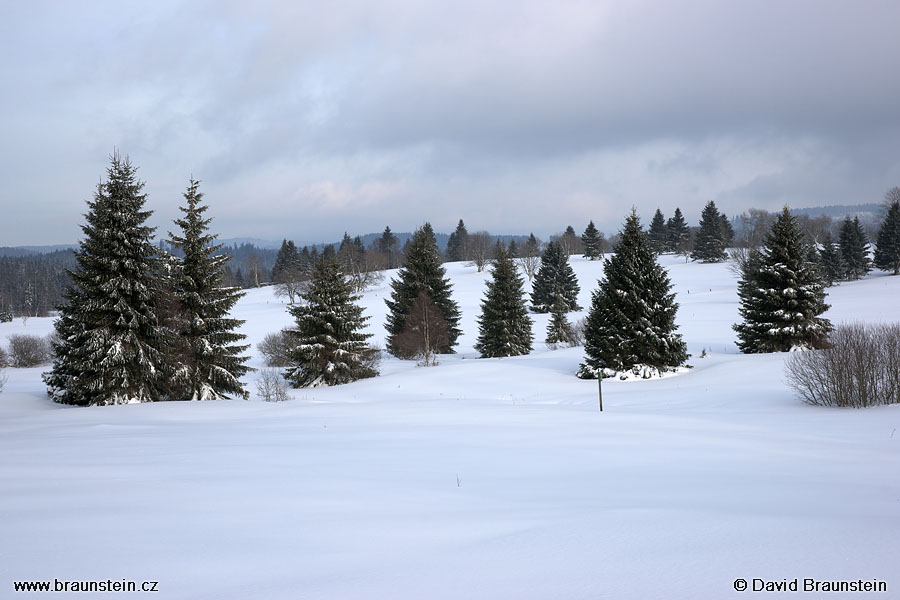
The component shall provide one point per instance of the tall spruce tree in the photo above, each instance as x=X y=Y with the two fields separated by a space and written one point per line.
x=554 y=276
x=831 y=265
x=659 y=234
x=709 y=245
x=328 y=346
x=592 y=242
x=287 y=262
x=458 y=244
x=109 y=345
x=504 y=327
x=631 y=323
x=887 y=245
x=387 y=244
x=206 y=343
x=781 y=294
x=678 y=236
x=854 y=249
x=422 y=272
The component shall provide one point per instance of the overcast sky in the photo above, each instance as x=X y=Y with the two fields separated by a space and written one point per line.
x=306 y=119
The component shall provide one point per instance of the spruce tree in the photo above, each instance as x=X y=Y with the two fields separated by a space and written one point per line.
x=727 y=230
x=559 y=330
x=709 y=245
x=206 y=343
x=109 y=348
x=831 y=265
x=422 y=272
x=781 y=294
x=592 y=242
x=854 y=251
x=387 y=243
x=887 y=246
x=458 y=244
x=287 y=262
x=555 y=275
x=631 y=323
x=504 y=327
x=659 y=234
x=513 y=249
x=678 y=236
x=328 y=347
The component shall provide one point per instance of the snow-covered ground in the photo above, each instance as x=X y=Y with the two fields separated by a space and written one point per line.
x=478 y=478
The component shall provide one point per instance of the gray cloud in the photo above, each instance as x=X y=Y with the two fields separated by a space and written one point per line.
x=304 y=120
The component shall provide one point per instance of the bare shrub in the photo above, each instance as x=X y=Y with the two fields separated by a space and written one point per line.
x=577 y=333
x=425 y=333
x=739 y=260
x=28 y=350
x=276 y=349
x=4 y=358
x=861 y=367
x=272 y=386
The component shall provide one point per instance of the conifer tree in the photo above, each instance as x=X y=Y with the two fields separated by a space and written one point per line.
x=286 y=261
x=513 y=249
x=387 y=243
x=781 y=294
x=854 y=251
x=678 y=233
x=659 y=234
x=504 y=327
x=727 y=230
x=559 y=330
x=592 y=242
x=555 y=275
x=109 y=346
x=709 y=245
x=458 y=244
x=206 y=343
x=831 y=265
x=328 y=347
x=631 y=323
x=422 y=272
x=887 y=246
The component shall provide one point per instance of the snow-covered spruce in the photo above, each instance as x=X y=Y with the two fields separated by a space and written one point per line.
x=555 y=275
x=781 y=294
x=422 y=272
x=631 y=323
x=329 y=348
x=887 y=244
x=108 y=348
x=711 y=239
x=592 y=241
x=204 y=343
x=504 y=327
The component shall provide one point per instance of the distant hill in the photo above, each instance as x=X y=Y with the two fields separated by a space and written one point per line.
x=34 y=250
x=839 y=211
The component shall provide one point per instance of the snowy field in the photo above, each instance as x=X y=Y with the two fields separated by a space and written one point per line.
x=478 y=478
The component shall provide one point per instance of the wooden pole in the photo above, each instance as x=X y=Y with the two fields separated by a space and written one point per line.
x=600 y=389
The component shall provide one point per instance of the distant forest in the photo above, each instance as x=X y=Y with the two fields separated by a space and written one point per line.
x=33 y=283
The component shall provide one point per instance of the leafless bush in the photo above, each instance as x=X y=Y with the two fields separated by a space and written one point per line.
x=569 y=336
x=861 y=367
x=272 y=386
x=4 y=358
x=577 y=338
x=739 y=260
x=425 y=334
x=28 y=350
x=276 y=349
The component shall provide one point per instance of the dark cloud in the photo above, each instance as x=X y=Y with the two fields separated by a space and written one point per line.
x=358 y=114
